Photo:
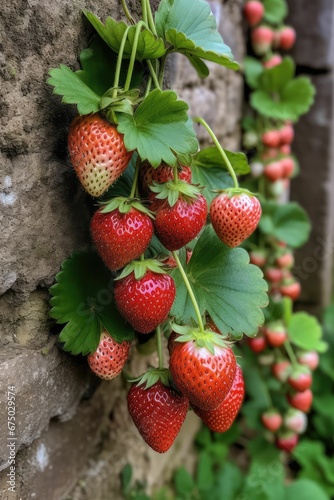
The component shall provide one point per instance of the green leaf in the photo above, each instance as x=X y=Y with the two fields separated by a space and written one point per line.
x=98 y=64
x=275 y=79
x=306 y=490
x=159 y=128
x=211 y=158
x=149 y=46
x=294 y=100
x=74 y=90
x=275 y=11
x=126 y=476
x=190 y=27
x=253 y=68
x=230 y=289
x=199 y=65
x=229 y=481
x=288 y=223
x=82 y=298
x=305 y=332
x=205 y=476
x=183 y=481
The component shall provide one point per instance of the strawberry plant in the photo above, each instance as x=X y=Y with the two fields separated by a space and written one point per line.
x=170 y=216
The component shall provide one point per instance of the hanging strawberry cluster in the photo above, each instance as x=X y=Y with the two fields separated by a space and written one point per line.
x=286 y=348
x=160 y=267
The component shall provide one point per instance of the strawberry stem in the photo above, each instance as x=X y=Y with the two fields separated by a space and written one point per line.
x=119 y=61
x=133 y=55
x=150 y=18
x=220 y=149
x=144 y=11
x=127 y=12
x=291 y=354
x=153 y=74
x=135 y=179
x=159 y=347
x=190 y=291
x=176 y=174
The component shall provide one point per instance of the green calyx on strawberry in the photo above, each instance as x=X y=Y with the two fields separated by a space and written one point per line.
x=235 y=214
x=121 y=231
x=109 y=358
x=164 y=173
x=181 y=213
x=152 y=376
x=157 y=410
x=202 y=365
x=144 y=294
x=97 y=152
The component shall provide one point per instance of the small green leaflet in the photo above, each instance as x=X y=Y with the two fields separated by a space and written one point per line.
x=190 y=27
x=209 y=170
x=253 y=68
x=231 y=290
x=305 y=489
x=74 y=90
x=288 y=222
x=275 y=10
x=305 y=332
x=276 y=78
x=159 y=129
x=149 y=46
x=82 y=298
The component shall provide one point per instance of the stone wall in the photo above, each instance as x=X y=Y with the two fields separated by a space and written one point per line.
x=73 y=434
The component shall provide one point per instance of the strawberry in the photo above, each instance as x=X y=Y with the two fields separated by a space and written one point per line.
x=287 y=37
x=164 y=173
x=221 y=418
x=234 y=215
x=256 y=168
x=274 y=60
x=144 y=295
x=262 y=39
x=301 y=400
x=273 y=274
x=258 y=344
x=273 y=171
x=285 y=260
x=121 y=234
x=276 y=334
x=300 y=379
x=202 y=366
x=291 y=288
x=309 y=358
x=281 y=370
x=253 y=12
x=287 y=441
x=271 y=138
x=109 y=358
x=296 y=421
x=288 y=167
x=158 y=412
x=258 y=257
x=97 y=152
x=272 y=420
x=179 y=224
x=285 y=149
x=269 y=154
x=286 y=134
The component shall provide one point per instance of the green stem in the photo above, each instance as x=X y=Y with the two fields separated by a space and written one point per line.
x=190 y=291
x=162 y=69
x=159 y=347
x=291 y=354
x=220 y=149
x=127 y=12
x=153 y=74
x=135 y=179
x=133 y=55
x=150 y=18
x=148 y=86
x=176 y=174
x=144 y=11
x=119 y=61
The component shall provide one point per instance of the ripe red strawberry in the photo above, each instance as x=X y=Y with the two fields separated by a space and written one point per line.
x=205 y=378
x=221 y=418
x=301 y=400
x=286 y=134
x=258 y=344
x=291 y=288
x=234 y=216
x=253 y=12
x=309 y=358
x=287 y=37
x=287 y=441
x=121 y=237
x=97 y=152
x=258 y=257
x=179 y=224
x=288 y=167
x=276 y=334
x=273 y=171
x=262 y=39
x=281 y=370
x=272 y=420
x=271 y=138
x=145 y=302
x=296 y=421
x=300 y=379
x=164 y=173
x=158 y=413
x=109 y=358
x=285 y=260
x=274 y=60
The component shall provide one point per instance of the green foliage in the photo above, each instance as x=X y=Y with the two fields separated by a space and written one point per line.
x=190 y=28
x=253 y=68
x=305 y=332
x=230 y=289
x=275 y=10
x=82 y=298
x=159 y=128
x=288 y=222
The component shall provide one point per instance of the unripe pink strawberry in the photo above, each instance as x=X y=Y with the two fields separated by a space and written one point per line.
x=253 y=12
x=296 y=421
x=262 y=39
x=274 y=60
x=309 y=358
x=300 y=378
x=287 y=441
x=272 y=420
x=285 y=260
x=276 y=334
x=287 y=37
x=301 y=400
x=285 y=149
x=258 y=257
x=273 y=171
x=287 y=134
x=290 y=288
x=281 y=370
x=271 y=138
x=288 y=167
x=273 y=274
